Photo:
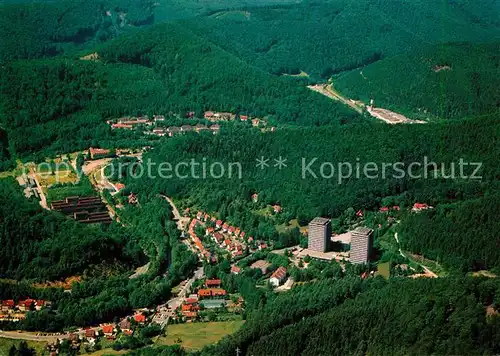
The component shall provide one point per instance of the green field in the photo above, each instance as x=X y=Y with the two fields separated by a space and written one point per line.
x=195 y=336
x=384 y=270
x=6 y=344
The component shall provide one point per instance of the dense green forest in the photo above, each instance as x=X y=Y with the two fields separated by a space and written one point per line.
x=471 y=140
x=33 y=29
x=42 y=246
x=201 y=75
x=28 y=29
x=402 y=316
x=327 y=37
x=462 y=235
x=45 y=245
x=61 y=105
x=424 y=58
x=183 y=9
x=447 y=81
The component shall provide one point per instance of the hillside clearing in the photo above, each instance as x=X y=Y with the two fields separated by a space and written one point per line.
x=195 y=336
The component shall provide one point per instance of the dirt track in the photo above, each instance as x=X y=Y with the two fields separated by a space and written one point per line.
x=385 y=115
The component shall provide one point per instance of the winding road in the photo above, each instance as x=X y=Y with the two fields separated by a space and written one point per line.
x=428 y=272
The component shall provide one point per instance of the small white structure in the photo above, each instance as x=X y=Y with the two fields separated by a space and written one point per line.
x=278 y=277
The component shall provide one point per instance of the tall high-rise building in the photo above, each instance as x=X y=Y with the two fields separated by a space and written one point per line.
x=319 y=233
x=361 y=244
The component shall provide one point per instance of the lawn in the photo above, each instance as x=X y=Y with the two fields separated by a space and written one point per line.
x=384 y=270
x=107 y=351
x=292 y=224
x=6 y=344
x=195 y=336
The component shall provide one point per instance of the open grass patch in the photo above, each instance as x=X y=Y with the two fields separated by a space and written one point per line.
x=384 y=269
x=6 y=344
x=195 y=336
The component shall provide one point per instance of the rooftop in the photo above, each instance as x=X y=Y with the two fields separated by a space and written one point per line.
x=363 y=230
x=319 y=221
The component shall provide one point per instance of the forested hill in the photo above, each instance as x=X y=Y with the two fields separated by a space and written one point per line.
x=44 y=28
x=62 y=103
x=326 y=37
x=182 y=9
x=451 y=80
x=46 y=245
x=199 y=74
x=32 y=29
x=399 y=317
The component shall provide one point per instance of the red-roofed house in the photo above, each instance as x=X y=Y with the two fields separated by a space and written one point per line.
x=204 y=293
x=199 y=215
x=98 y=152
x=25 y=305
x=8 y=304
x=210 y=283
x=384 y=209
x=420 y=206
x=359 y=214
x=39 y=304
x=231 y=229
x=190 y=315
x=225 y=226
x=396 y=207
x=186 y=307
x=237 y=232
x=243 y=117
x=250 y=239
x=218 y=224
x=278 y=276
x=132 y=199
x=218 y=238
x=218 y=292
x=235 y=270
x=90 y=333
x=255 y=197
x=140 y=318
x=122 y=126
x=277 y=209
x=209 y=114
x=125 y=324
x=108 y=329
x=227 y=242
x=191 y=300
x=209 y=231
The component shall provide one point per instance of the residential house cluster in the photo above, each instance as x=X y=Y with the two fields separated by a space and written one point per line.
x=228 y=237
x=129 y=122
x=12 y=311
x=190 y=307
x=175 y=130
x=196 y=240
x=212 y=290
x=218 y=116
x=386 y=209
